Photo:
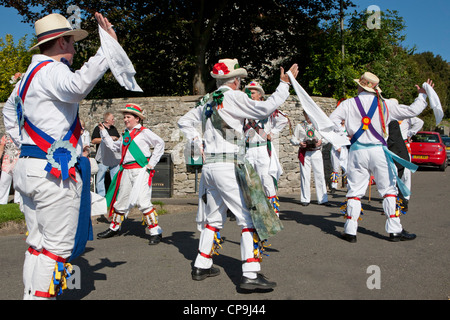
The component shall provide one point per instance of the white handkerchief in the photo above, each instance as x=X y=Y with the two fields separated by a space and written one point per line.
x=118 y=61
x=435 y=103
x=318 y=118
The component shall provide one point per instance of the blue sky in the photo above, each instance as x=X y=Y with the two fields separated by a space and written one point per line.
x=428 y=23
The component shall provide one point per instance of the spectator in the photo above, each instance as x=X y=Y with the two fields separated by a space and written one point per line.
x=107 y=159
x=10 y=154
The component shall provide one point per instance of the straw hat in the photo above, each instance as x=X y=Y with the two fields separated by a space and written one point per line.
x=256 y=86
x=228 y=68
x=55 y=26
x=134 y=109
x=369 y=82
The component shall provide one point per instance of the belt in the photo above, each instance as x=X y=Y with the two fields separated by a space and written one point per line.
x=221 y=157
x=256 y=144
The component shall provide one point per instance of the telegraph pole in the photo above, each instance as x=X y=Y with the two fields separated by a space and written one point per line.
x=341 y=14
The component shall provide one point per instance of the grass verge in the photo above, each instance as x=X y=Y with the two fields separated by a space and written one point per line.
x=10 y=212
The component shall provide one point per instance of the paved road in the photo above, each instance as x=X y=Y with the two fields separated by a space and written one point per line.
x=307 y=259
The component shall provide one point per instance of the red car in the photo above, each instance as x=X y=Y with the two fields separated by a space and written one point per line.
x=428 y=149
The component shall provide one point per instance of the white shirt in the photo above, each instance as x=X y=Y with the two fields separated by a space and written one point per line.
x=410 y=127
x=237 y=107
x=274 y=125
x=349 y=112
x=51 y=103
x=300 y=133
x=145 y=140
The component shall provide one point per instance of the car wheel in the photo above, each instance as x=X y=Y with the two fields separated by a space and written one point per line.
x=443 y=166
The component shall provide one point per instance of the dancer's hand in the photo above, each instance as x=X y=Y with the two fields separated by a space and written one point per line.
x=294 y=70
x=106 y=25
x=422 y=90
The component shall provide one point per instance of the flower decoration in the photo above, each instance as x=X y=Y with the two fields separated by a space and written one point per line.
x=366 y=121
x=15 y=78
x=126 y=138
x=218 y=97
x=220 y=69
x=208 y=111
x=62 y=156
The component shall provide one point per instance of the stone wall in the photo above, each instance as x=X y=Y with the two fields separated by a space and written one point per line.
x=162 y=116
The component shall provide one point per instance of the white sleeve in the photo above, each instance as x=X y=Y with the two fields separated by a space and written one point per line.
x=158 y=147
x=188 y=122
x=258 y=110
x=72 y=87
x=279 y=122
x=416 y=126
x=114 y=146
x=401 y=111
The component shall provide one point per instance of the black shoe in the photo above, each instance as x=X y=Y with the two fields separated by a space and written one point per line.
x=305 y=204
x=402 y=236
x=155 y=239
x=333 y=190
x=201 y=274
x=107 y=234
x=326 y=204
x=260 y=282
x=348 y=237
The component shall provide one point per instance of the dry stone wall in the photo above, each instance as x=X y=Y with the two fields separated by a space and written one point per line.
x=162 y=116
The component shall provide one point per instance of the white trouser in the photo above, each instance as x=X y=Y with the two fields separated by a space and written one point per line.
x=51 y=209
x=260 y=160
x=144 y=203
x=406 y=178
x=222 y=193
x=361 y=164
x=338 y=162
x=5 y=186
x=313 y=159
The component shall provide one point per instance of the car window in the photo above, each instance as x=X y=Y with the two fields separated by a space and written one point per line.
x=425 y=137
x=447 y=142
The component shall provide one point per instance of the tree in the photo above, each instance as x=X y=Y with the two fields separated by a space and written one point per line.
x=174 y=43
x=14 y=60
x=435 y=68
x=376 y=50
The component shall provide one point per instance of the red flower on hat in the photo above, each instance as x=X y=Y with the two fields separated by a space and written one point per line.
x=220 y=68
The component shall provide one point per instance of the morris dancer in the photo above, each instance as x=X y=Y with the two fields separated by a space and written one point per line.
x=135 y=173
x=50 y=175
x=259 y=145
x=366 y=119
x=222 y=116
x=310 y=156
x=338 y=156
x=409 y=127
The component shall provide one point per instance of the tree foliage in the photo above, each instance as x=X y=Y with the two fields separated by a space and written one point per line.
x=14 y=60
x=174 y=43
x=381 y=52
